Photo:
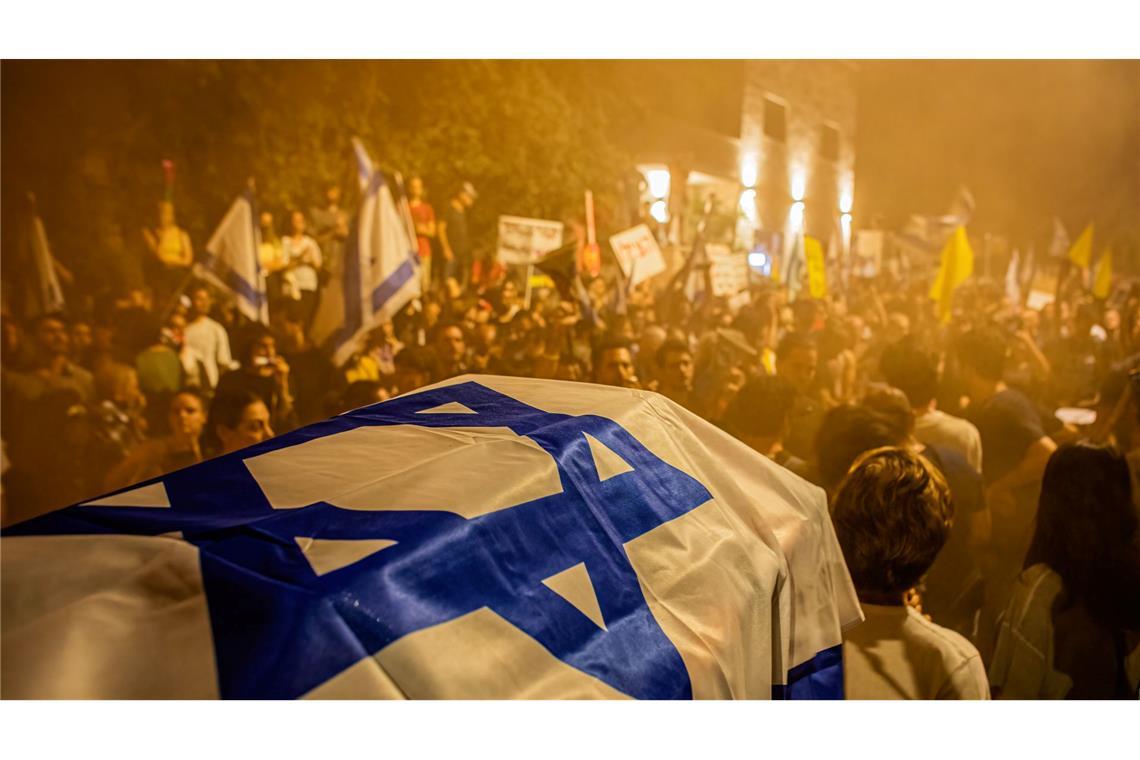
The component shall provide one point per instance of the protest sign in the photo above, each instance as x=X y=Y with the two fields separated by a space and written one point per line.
x=638 y=253
x=524 y=241
x=729 y=270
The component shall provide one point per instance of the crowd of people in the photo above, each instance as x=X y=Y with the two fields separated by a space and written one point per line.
x=993 y=541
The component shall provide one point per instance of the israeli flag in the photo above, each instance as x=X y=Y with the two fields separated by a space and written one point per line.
x=43 y=294
x=231 y=261
x=381 y=271
x=486 y=537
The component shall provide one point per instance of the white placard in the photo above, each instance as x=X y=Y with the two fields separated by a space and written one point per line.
x=525 y=241
x=868 y=252
x=638 y=253
x=729 y=270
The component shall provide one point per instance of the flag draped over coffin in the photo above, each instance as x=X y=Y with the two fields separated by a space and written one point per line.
x=487 y=537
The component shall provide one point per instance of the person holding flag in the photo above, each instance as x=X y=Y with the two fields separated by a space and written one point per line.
x=232 y=260
x=381 y=264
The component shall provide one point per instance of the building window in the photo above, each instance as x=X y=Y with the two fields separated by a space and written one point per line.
x=829 y=143
x=775 y=121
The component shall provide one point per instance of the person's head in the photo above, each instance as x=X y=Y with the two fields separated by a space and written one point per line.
x=1111 y=320
x=297 y=222
x=363 y=393
x=416 y=188
x=165 y=213
x=332 y=195
x=894 y=407
x=1086 y=525
x=187 y=415
x=613 y=363
x=467 y=194
x=892 y=515
x=238 y=418
x=265 y=219
x=981 y=355
x=81 y=336
x=201 y=301
x=910 y=369
x=759 y=413
x=449 y=343
x=118 y=384
x=796 y=360
x=413 y=369
x=844 y=433
x=675 y=366
x=52 y=338
x=259 y=352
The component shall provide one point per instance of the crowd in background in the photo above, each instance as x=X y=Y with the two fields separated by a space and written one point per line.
x=993 y=542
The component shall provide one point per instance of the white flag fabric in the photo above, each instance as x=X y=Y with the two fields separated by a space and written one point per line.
x=487 y=537
x=1059 y=245
x=231 y=261
x=44 y=295
x=381 y=267
x=1013 y=278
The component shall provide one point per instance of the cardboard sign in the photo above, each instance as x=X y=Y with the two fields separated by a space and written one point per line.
x=525 y=241
x=638 y=253
x=729 y=271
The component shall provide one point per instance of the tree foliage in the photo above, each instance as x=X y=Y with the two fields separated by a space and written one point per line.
x=89 y=138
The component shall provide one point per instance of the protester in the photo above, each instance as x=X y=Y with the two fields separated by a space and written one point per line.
x=118 y=422
x=186 y=419
x=797 y=358
x=613 y=364
x=1015 y=451
x=454 y=237
x=206 y=339
x=265 y=373
x=52 y=368
x=759 y=417
x=952 y=592
x=171 y=252
x=674 y=364
x=237 y=419
x=304 y=261
x=892 y=514
x=423 y=216
x=906 y=367
x=1075 y=612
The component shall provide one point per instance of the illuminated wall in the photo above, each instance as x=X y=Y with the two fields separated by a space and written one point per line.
x=812 y=157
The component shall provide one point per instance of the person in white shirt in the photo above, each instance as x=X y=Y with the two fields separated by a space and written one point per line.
x=206 y=339
x=303 y=260
x=907 y=367
x=892 y=515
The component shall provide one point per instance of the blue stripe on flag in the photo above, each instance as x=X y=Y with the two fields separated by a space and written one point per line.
x=821 y=677
x=392 y=284
x=279 y=630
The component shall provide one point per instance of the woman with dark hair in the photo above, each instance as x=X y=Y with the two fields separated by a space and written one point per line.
x=186 y=419
x=1071 y=622
x=238 y=418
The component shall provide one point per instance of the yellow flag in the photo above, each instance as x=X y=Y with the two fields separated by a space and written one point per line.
x=1081 y=252
x=817 y=276
x=1102 y=282
x=957 y=266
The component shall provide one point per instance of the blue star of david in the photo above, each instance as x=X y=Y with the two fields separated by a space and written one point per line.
x=280 y=630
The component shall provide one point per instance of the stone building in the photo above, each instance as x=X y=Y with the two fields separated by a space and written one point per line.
x=797 y=138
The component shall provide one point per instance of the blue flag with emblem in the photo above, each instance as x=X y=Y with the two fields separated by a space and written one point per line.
x=231 y=261
x=486 y=537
